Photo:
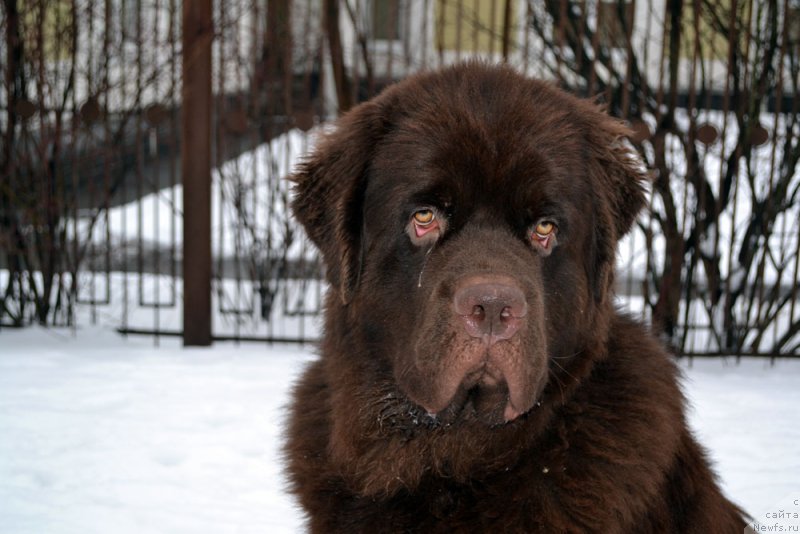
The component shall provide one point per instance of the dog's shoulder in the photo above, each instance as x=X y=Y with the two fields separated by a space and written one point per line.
x=630 y=416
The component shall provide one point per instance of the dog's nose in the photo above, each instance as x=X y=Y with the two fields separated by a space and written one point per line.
x=491 y=308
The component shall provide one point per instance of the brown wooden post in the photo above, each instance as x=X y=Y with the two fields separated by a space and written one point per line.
x=196 y=171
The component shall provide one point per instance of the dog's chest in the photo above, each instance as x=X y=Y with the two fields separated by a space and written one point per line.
x=546 y=501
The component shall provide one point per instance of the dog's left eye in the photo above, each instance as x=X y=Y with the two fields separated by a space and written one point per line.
x=544 y=228
x=424 y=217
x=425 y=226
x=543 y=235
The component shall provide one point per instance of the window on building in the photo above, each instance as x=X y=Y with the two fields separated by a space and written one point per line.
x=473 y=25
x=48 y=29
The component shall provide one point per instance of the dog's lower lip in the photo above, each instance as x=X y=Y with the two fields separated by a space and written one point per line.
x=510 y=413
x=488 y=380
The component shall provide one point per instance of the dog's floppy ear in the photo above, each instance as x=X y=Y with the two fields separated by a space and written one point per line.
x=620 y=176
x=622 y=170
x=329 y=189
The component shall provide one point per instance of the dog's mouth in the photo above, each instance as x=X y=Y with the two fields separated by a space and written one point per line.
x=495 y=384
x=483 y=399
x=471 y=384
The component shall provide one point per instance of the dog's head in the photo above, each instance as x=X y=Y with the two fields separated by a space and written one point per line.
x=468 y=221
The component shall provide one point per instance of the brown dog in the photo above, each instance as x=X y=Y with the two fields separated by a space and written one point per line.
x=474 y=374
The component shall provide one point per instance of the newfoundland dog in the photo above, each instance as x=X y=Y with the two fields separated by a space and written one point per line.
x=474 y=374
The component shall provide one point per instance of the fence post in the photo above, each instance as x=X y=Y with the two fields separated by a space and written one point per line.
x=196 y=171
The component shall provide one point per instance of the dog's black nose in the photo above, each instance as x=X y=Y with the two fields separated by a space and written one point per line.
x=491 y=307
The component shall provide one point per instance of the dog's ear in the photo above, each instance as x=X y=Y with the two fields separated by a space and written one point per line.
x=329 y=189
x=622 y=172
x=620 y=175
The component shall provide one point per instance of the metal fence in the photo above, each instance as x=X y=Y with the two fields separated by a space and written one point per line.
x=92 y=106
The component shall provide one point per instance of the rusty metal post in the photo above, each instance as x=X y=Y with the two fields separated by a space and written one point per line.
x=196 y=171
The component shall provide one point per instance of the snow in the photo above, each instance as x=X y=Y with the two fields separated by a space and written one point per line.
x=246 y=193
x=105 y=434
x=101 y=434
x=746 y=415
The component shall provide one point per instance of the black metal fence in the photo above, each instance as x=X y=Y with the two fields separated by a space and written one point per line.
x=91 y=115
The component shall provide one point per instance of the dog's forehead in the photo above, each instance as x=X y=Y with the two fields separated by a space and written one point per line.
x=428 y=155
x=491 y=105
x=492 y=129
x=495 y=138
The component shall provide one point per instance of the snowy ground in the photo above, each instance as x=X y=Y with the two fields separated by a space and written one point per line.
x=100 y=434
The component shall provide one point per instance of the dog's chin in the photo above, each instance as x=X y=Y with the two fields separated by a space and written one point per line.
x=481 y=404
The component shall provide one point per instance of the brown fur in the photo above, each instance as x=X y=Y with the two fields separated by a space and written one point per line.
x=378 y=441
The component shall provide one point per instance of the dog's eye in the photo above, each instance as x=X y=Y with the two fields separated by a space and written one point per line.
x=424 y=217
x=544 y=228
x=543 y=236
x=426 y=225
